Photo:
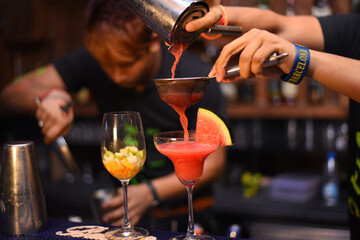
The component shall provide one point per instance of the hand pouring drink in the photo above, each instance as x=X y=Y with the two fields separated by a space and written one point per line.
x=167 y=18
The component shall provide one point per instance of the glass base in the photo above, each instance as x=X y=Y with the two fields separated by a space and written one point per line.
x=197 y=237
x=132 y=233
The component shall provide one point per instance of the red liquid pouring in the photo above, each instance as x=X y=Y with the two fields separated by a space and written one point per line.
x=180 y=101
x=176 y=50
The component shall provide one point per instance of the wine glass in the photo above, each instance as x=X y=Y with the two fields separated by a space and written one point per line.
x=123 y=154
x=188 y=158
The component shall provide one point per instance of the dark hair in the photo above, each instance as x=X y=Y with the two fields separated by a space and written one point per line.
x=111 y=23
x=109 y=11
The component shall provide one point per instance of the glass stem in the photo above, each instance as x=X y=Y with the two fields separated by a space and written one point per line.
x=191 y=229
x=126 y=226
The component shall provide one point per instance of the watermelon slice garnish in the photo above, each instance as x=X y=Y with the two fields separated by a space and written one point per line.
x=212 y=129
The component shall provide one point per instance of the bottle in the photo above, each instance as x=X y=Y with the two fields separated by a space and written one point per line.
x=290 y=92
x=234 y=231
x=316 y=91
x=330 y=188
x=275 y=92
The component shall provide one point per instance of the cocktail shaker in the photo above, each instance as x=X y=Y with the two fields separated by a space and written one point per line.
x=167 y=18
x=22 y=199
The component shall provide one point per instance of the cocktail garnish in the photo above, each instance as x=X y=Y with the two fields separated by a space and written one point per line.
x=212 y=129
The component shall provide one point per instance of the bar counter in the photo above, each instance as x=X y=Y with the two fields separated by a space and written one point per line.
x=55 y=226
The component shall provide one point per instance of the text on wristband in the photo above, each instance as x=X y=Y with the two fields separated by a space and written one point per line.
x=300 y=67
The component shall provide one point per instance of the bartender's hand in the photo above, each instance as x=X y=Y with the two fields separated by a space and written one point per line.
x=210 y=18
x=139 y=200
x=55 y=114
x=255 y=47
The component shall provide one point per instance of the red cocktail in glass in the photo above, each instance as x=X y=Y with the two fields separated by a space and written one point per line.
x=188 y=158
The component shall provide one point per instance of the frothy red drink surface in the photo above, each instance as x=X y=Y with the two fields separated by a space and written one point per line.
x=188 y=158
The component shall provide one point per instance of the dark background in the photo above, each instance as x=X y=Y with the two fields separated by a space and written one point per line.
x=269 y=138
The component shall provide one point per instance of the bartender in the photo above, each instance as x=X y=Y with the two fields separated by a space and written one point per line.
x=120 y=58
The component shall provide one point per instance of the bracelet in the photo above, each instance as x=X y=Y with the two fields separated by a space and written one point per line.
x=47 y=95
x=156 y=200
x=300 y=66
x=223 y=21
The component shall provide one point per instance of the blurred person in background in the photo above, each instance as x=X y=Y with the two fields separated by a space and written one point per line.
x=120 y=58
x=334 y=61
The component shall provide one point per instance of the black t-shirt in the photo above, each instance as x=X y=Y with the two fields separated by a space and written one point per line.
x=79 y=69
x=342 y=37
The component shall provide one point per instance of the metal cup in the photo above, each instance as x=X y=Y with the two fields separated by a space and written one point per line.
x=22 y=200
x=97 y=199
x=167 y=18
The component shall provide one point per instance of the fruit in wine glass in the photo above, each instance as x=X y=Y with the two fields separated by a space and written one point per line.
x=124 y=164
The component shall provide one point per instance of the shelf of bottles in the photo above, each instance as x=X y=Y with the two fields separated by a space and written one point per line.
x=274 y=99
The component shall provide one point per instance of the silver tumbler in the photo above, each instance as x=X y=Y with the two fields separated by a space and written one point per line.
x=22 y=200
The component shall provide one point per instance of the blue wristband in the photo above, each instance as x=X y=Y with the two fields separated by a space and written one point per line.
x=300 y=67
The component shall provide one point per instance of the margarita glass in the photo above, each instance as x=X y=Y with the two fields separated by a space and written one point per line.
x=188 y=158
x=123 y=154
